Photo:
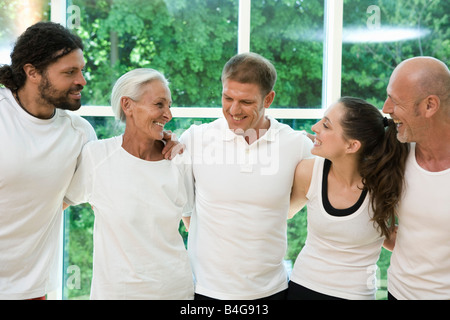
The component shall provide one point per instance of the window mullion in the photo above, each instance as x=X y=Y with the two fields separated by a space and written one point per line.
x=244 y=26
x=332 y=51
x=58 y=12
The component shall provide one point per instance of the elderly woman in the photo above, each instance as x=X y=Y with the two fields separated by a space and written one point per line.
x=138 y=198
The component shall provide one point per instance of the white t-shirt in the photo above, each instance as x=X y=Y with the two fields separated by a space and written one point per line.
x=340 y=253
x=237 y=238
x=420 y=261
x=138 y=250
x=37 y=161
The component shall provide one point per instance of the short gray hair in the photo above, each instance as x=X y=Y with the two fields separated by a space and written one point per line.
x=130 y=85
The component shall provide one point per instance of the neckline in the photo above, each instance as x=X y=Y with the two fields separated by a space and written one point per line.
x=269 y=134
x=413 y=158
x=134 y=158
x=25 y=114
x=326 y=202
x=15 y=94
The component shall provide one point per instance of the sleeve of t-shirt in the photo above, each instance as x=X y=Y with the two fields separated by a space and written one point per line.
x=91 y=135
x=186 y=138
x=80 y=187
x=189 y=185
x=307 y=146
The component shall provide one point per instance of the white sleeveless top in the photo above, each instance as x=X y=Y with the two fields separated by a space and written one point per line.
x=420 y=262
x=340 y=254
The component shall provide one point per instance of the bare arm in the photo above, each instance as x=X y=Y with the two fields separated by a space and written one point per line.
x=300 y=187
x=389 y=244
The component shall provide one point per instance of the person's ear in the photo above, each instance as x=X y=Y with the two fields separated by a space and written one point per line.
x=32 y=73
x=126 y=104
x=353 y=146
x=268 y=99
x=432 y=105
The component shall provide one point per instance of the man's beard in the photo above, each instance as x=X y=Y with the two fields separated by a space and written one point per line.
x=59 y=99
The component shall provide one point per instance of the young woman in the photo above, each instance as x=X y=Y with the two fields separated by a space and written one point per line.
x=351 y=190
x=138 y=198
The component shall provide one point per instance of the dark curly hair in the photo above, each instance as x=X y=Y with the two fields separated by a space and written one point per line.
x=40 y=45
x=382 y=158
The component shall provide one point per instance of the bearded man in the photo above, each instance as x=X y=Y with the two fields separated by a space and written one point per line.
x=40 y=142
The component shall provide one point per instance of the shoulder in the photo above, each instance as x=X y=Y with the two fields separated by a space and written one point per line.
x=6 y=100
x=99 y=150
x=287 y=132
x=305 y=169
x=198 y=130
x=4 y=93
x=216 y=124
x=79 y=124
x=293 y=142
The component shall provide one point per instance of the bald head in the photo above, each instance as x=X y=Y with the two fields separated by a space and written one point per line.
x=425 y=76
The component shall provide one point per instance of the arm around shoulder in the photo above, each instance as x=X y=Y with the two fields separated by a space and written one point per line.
x=80 y=186
x=300 y=187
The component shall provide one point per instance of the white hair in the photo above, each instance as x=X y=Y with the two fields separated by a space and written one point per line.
x=130 y=85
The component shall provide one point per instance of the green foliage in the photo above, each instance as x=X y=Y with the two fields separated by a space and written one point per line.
x=366 y=67
x=188 y=43
x=296 y=233
x=281 y=31
x=79 y=222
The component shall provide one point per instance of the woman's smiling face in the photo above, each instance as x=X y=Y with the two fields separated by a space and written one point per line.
x=152 y=111
x=330 y=141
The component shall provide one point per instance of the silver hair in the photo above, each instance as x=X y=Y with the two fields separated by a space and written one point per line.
x=130 y=85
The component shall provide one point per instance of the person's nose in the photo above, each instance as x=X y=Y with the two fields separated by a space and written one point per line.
x=80 y=80
x=167 y=114
x=315 y=127
x=235 y=108
x=388 y=106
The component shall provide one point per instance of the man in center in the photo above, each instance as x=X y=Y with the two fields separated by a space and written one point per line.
x=243 y=166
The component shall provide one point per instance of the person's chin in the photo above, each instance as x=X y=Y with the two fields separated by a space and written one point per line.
x=316 y=152
x=70 y=106
x=234 y=125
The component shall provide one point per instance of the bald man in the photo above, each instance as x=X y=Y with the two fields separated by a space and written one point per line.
x=419 y=102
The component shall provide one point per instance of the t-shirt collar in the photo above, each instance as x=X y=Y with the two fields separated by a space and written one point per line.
x=270 y=135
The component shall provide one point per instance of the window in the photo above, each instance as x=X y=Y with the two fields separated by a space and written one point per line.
x=379 y=34
x=289 y=33
x=15 y=17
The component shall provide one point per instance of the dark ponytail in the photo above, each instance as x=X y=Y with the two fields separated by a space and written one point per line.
x=382 y=158
x=7 y=77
